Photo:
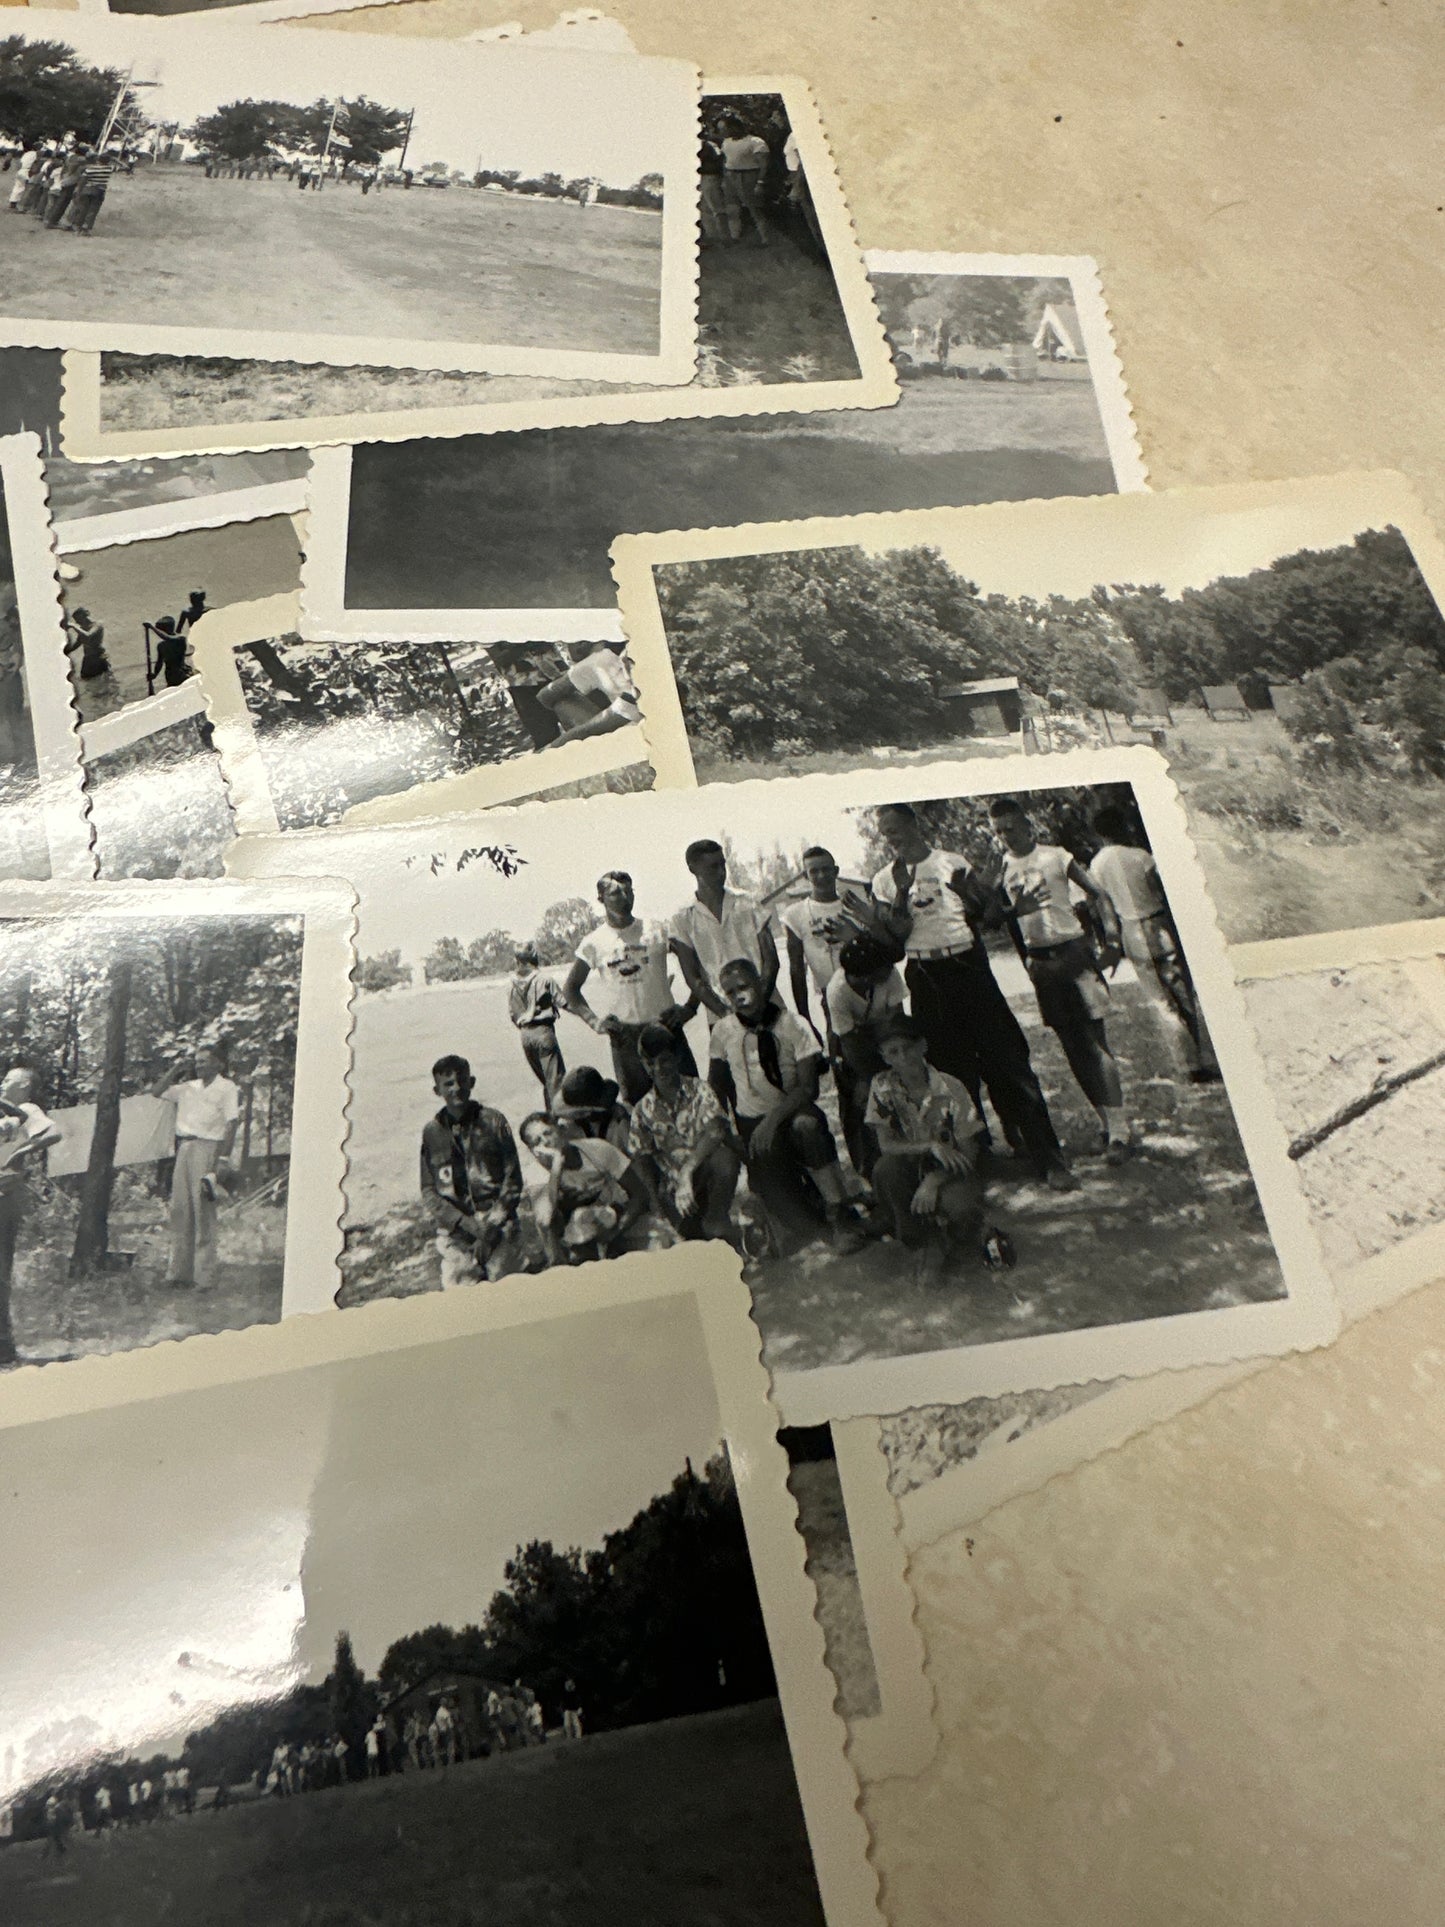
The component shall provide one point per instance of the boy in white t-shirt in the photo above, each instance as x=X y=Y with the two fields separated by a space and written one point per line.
x=1073 y=997
x=208 y=1112
x=745 y=165
x=591 y=1197
x=1130 y=879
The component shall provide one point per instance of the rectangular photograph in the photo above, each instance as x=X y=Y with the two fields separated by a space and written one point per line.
x=791 y=326
x=555 y=1657
x=952 y=1057
x=43 y=827
x=346 y=198
x=164 y=1049
x=96 y=504
x=1281 y=644
x=314 y=734
x=159 y=806
x=1009 y=390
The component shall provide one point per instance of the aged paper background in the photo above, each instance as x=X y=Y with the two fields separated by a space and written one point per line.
x=1191 y=1682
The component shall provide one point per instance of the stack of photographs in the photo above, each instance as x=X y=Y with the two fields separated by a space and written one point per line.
x=661 y=936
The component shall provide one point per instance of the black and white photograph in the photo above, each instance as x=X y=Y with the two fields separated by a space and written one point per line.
x=43 y=829
x=96 y=504
x=552 y=1656
x=159 y=807
x=131 y=609
x=164 y=1053
x=1280 y=644
x=346 y=198
x=1009 y=390
x=962 y=1127
x=790 y=326
x=311 y=733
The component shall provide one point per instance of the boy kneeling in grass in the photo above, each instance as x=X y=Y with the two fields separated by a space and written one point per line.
x=927 y=1174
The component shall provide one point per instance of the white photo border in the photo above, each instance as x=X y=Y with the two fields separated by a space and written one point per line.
x=60 y=778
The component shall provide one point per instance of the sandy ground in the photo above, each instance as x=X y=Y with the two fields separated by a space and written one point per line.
x=134 y=582
x=690 y=1821
x=515 y=521
x=171 y=248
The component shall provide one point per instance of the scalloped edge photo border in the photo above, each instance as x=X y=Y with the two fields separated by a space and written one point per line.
x=827 y=1783
x=85 y=533
x=216 y=639
x=61 y=798
x=1307 y=1316
x=666 y=88
x=85 y=438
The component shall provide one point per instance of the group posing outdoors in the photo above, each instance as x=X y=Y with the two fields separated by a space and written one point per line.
x=895 y=1004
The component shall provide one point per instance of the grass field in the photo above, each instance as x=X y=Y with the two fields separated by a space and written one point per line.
x=527 y=520
x=134 y=582
x=690 y=1823
x=764 y=314
x=173 y=249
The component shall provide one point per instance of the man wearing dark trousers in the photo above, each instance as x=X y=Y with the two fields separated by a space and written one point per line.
x=924 y=899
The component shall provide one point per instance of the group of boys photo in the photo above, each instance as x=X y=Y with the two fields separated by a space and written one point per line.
x=831 y=1067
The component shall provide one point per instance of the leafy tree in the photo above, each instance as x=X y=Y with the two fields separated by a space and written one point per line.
x=946 y=311
x=446 y=962
x=350 y=1702
x=562 y=928
x=1411 y=706
x=383 y=972
x=243 y=130
x=48 y=91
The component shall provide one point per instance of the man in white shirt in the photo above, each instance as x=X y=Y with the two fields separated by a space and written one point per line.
x=863 y=994
x=1130 y=879
x=1073 y=997
x=208 y=1110
x=816 y=926
x=25 y=1134
x=745 y=165
x=924 y=898
x=718 y=926
x=765 y=1069
x=627 y=963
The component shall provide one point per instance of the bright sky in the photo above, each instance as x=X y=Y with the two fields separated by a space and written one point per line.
x=1064 y=548
x=505 y=105
x=389 y=1491
x=406 y=907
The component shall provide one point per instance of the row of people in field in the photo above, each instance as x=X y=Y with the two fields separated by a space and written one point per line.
x=894 y=998
x=64 y=183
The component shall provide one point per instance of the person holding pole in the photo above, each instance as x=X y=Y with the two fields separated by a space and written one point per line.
x=208 y=1110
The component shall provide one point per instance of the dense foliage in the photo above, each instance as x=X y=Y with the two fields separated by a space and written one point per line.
x=840 y=649
x=557 y=935
x=251 y=130
x=47 y=91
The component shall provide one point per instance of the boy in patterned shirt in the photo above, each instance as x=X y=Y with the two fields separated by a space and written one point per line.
x=680 y=1137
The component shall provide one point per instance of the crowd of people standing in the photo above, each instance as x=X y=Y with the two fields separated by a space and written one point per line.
x=895 y=1004
x=63 y=183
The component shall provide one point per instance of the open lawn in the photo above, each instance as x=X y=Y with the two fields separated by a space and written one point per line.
x=131 y=584
x=527 y=520
x=690 y=1823
x=764 y=315
x=172 y=249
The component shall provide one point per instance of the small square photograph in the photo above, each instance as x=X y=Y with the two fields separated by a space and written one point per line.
x=958 y=1070
x=163 y=1052
x=310 y=732
x=552 y=1658
x=345 y=198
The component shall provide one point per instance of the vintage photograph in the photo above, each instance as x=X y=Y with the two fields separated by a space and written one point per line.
x=1009 y=389
x=161 y=750
x=162 y=1054
x=1356 y=1062
x=790 y=326
x=43 y=829
x=1281 y=644
x=310 y=732
x=131 y=609
x=346 y=198
x=554 y=1657
x=959 y=1070
x=96 y=504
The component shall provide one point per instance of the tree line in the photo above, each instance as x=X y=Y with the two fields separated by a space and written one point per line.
x=659 y=1621
x=359 y=129
x=840 y=649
